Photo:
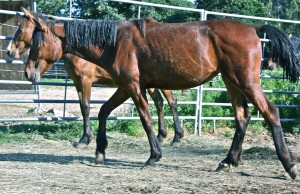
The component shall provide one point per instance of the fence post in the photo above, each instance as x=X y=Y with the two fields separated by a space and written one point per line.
x=37 y=89
x=200 y=104
x=139 y=12
x=65 y=96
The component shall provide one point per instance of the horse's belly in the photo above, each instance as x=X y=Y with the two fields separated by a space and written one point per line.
x=180 y=76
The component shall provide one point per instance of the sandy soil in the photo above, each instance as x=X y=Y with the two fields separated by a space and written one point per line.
x=44 y=166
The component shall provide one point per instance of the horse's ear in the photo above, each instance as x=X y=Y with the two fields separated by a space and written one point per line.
x=39 y=24
x=26 y=12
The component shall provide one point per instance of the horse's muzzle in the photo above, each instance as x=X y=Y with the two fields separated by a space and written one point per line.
x=30 y=76
x=11 y=54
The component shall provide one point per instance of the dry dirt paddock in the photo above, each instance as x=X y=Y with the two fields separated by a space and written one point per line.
x=44 y=166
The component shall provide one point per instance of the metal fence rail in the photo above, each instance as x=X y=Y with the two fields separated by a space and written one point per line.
x=198 y=103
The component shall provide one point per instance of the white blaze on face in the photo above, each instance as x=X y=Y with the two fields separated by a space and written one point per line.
x=9 y=47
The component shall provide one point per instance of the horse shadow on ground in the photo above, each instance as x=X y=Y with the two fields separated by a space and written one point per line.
x=64 y=160
x=252 y=153
x=109 y=163
x=41 y=158
x=196 y=151
x=85 y=160
x=280 y=177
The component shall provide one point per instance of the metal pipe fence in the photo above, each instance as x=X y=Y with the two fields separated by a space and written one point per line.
x=198 y=103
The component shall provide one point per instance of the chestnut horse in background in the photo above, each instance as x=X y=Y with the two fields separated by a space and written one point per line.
x=175 y=56
x=84 y=74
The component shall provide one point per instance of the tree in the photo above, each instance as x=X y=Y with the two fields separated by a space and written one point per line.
x=285 y=9
x=104 y=9
x=243 y=7
x=53 y=7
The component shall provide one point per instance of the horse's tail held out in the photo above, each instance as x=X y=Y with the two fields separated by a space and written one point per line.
x=283 y=51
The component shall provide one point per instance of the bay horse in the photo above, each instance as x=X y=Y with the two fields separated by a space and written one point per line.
x=176 y=56
x=84 y=74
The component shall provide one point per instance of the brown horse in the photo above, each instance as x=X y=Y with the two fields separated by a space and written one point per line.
x=176 y=56
x=84 y=74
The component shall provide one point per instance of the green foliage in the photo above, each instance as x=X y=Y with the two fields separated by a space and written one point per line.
x=53 y=7
x=99 y=9
x=102 y=9
x=229 y=133
x=70 y=131
x=129 y=127
x=243 y=7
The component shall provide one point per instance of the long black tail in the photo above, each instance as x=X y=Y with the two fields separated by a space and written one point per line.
x=283 y=51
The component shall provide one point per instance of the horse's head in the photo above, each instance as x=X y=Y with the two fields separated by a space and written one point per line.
x=45 y=50
x=21 y=40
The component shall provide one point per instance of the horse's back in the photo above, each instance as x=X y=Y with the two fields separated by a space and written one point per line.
x=202 y=48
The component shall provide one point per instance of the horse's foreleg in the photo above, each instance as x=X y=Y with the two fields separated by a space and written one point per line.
x=117 y=98
x=179 y=133
x=138 y=95
x=271 y=114
x=242 y=117
x=84 y=93
x=159 y=104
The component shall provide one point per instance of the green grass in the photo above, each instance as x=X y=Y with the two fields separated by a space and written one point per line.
x=60 y=80
x=67 y=130
x=22 y=132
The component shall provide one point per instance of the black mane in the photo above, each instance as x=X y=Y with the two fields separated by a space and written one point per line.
x=96 y=32
x=90 y=32
x=38 y=38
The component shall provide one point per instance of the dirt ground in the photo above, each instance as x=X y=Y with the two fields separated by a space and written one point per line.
x=44 y=166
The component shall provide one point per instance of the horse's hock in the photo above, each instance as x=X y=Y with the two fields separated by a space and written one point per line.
x=8 y=24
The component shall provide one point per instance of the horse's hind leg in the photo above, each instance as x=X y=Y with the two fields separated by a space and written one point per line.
x=271 y=114
x=242 y=117
x=159 y=104
x=252 y=90
x=179 y=133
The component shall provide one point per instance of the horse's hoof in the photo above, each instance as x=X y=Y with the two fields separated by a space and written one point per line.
x=223 y=167
x=80 y=145
x=293 y=172
x=176 y=144
x=147 y=166
x=99 y=159
x=150 y=162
